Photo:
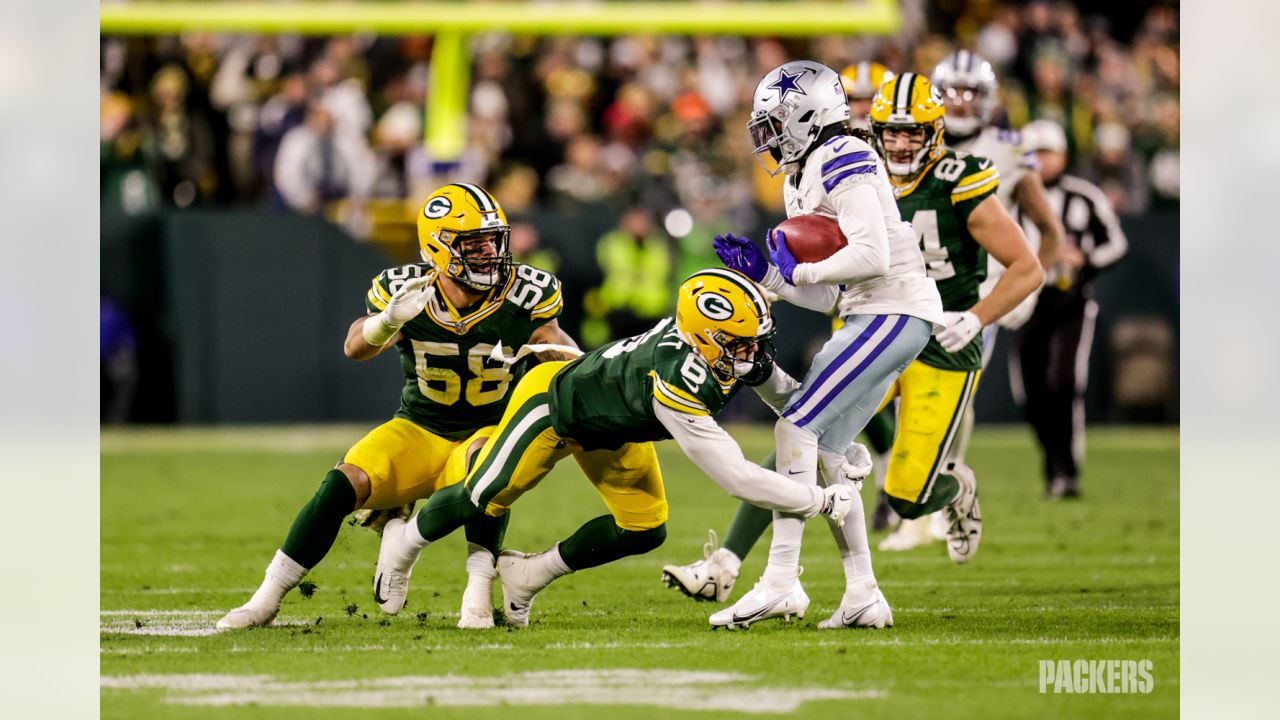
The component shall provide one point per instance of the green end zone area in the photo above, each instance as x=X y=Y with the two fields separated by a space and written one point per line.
x=190 y=518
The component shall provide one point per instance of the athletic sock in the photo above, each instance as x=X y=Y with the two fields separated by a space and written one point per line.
x=797 y=458
x=851 y=538
x=487 y=531
x=282 y=575
x=601 y=541
x=749 y=523
x=317 y=524
x=446 y=511
x=945 y=489
x=480 y=575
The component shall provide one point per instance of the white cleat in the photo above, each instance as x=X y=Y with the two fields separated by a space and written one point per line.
x=911 y=534
x=523 y=577
x=248 y=615
x=965 y=528
x=477 y=604
x=865 y=608
x=707 y=579
x=395 y=565
x=761 y=603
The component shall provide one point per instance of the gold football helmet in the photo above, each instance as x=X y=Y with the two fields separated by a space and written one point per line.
x=453 y=227
x=861 y=80
x=909 y=102
x=724 y=316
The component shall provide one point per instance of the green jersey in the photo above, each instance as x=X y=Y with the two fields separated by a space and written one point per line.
x=453 y=386
x=937 y=204
x=604 y=399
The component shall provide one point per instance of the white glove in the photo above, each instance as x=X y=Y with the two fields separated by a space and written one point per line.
x=406 y=304
x=837 y=502
x=961 y=328
x=858 y=465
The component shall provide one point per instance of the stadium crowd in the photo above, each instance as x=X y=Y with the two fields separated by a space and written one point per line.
x=655 y=123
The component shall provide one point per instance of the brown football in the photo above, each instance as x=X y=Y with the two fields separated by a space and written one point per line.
x=812 y=237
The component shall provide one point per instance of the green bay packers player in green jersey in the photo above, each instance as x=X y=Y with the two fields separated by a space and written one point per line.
x=949 y=198
x=450 y=319
x=606 y=409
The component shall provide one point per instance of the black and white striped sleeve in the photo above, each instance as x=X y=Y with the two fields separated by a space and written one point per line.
x=1102 y=241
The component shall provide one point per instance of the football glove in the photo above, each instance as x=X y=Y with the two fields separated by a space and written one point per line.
x=739 y=253
x=858 y=463
x=405 y=304
x=961 y=328
x=781 y=255
x=837 y=502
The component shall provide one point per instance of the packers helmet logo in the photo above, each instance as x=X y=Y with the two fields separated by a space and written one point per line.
x=437 y=207
x=715 y=306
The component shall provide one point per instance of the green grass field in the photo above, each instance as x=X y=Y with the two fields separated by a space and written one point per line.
x=191 y=517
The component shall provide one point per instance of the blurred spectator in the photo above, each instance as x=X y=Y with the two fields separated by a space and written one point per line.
x=614 y=119
x=184 y=141
x=316 y=164
x=126 y=182
x=1118 y=171
x=636 y=264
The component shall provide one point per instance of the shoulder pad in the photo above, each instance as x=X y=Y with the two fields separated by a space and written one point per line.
x=536 y=291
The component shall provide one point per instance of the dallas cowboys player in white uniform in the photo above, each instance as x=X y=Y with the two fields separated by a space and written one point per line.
x=800 y=120
x=969 y=90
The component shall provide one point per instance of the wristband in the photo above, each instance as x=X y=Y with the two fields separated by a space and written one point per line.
x=378 y=330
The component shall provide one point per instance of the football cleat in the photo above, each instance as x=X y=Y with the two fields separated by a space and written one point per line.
x=477 y=603
x=395 y=565
x=1063 y=488
x=965 y=530
x=523 y=577
x=248 y=615
x=883 y=517
x=708 y=579
x=911 y=533
x=761 y=603
x=864 y=607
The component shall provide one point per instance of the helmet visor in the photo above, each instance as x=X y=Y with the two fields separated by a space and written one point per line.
x=766 y=138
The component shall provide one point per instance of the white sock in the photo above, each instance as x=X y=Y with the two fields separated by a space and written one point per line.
x=855 y=552
x=797 y=458
x=552 y=563
x=413 y=539
x=480 y=561
x=283 y=574
x=730 y=560
x=480 y=575
x=960 y=445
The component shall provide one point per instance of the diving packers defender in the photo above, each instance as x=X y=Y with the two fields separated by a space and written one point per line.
x=451 y=319
x=605 y=409
x=950 y=200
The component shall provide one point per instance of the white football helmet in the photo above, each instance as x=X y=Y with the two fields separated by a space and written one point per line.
x=966 y=77
x=791 y=105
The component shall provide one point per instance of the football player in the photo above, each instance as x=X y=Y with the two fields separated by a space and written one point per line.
x=969 y=92
x=712 y=578
x=446 y=317
x=890 y=307
x=861 y=80
x=950 y=198
x=606 y=409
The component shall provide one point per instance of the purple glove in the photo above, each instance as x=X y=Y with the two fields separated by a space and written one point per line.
x=739 y=253
x=781 y=255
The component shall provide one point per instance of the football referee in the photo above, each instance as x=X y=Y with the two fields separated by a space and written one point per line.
x=1050 y=368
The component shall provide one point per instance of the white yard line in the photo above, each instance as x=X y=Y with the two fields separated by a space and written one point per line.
x=724 y=691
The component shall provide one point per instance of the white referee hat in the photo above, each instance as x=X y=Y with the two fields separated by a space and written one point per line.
x=1044 y=135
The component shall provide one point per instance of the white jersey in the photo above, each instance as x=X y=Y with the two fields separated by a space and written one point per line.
x=830 y=173
x=1012 y=161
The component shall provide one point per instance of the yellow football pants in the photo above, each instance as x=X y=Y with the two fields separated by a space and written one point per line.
x=931 y=402
x=406 y=462
x=524 y=447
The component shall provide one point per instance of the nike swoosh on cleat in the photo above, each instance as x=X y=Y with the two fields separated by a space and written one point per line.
x=794 y=472
x=851 y=619
x=743 y=618
x=377 y=590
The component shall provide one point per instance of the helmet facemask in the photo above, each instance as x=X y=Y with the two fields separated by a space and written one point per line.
x=472 y=266
x=963 y=127
x=932 y=135
x=769 y=135
x=748 y=360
